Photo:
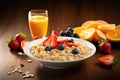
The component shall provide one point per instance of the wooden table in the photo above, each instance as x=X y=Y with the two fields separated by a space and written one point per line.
x=62 y=14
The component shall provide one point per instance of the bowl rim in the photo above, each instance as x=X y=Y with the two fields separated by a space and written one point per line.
x=27 y=47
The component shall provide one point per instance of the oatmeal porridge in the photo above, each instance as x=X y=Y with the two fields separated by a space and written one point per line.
x=62 y=53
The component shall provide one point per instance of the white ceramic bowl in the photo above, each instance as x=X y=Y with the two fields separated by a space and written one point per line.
x=56 y=64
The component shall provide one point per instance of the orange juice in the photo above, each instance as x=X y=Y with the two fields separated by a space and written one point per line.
x=38 y=25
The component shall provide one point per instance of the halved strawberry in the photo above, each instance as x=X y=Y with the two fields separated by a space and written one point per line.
x=107 y=60
x=71 y=44
x=61 y=40
x=55 y=32
x=51 y=41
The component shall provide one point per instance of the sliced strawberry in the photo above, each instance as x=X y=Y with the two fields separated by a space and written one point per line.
x=107 y=60
x=61 y=40
x=51 y=41
x=47 y=41
x=71 y=44
x=55 y=32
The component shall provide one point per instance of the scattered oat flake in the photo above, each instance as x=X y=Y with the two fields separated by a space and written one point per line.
x=29 y=61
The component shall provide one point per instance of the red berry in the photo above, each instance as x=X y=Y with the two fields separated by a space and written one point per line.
x=107 y=60
x=105 y=47
x=51 y=41
x=36 y=37
x=55 y=32
x=13 y=44
x=19 y=37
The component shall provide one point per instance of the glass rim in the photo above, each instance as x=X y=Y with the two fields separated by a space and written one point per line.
x=38 y=11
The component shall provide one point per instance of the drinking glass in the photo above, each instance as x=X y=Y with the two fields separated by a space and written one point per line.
x=38 y=22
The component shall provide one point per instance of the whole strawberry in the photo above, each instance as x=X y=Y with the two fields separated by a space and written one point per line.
x=19 y=37
x=105 y=47
x=13 y=44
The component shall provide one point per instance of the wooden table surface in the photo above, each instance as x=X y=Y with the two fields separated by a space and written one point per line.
x=62 y=14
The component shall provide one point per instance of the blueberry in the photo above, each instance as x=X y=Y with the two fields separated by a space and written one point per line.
x=76 y=35
x=75 y=51
x=60 y=47
x=62 y=33
x=71 y=41
x=68 y=33
x=70 y=29
x=48 y=48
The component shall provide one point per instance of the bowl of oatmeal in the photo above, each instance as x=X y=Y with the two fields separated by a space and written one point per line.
x=68 y=52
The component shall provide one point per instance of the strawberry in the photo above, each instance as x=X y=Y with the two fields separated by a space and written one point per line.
x=51 y=41
x=23 y=43
x=105 y=47
x=55 y=32
x=20 y=36
x=71 y=44
x=107 y=60
x=36 y=37
x=61 y=41
x=13 y=44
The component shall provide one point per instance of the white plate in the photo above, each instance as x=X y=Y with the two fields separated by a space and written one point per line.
x=58 y=64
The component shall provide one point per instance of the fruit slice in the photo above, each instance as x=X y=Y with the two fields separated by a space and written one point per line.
x=87 y=34
x=55 y=32
x=113 y=35
x=98 y=35
x=85 y=24
x=61 y=41
x=107 y=60
x=106 y=27
x=71 y=44
x=101 y=22
x=79 y=29
x=93 y=25
x=51 y=41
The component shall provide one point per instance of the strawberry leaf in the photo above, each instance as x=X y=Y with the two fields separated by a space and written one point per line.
x=9 y=40
x=23 y=34
x=101 y=41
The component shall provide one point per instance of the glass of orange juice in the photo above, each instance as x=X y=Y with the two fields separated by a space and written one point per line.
x=38 y=22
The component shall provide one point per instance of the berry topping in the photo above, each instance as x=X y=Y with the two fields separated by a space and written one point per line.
x=47 y=48
x=69 y=33
x=60 y=47
x=70 y=29
x=75 y=51
x=51 y=40
x=55 y=32
x=62 y=33
x=71 y=41
x=61 y=41
x=76 y=35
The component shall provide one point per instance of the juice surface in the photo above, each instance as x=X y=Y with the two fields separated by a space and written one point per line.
x=38 y=25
